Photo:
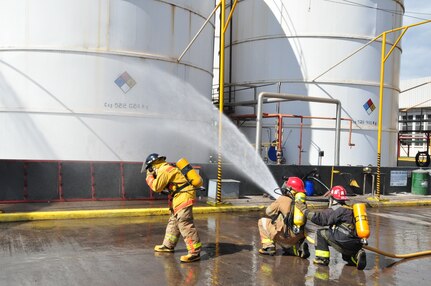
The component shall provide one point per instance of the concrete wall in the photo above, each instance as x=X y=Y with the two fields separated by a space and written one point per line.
x=344 y=177
x=39 y=181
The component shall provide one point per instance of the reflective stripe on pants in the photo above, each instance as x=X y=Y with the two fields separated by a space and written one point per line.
x=267 y=232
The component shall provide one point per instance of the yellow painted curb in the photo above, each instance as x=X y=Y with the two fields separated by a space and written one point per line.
x=111 y=213
x=400 y=203
x=140 y=212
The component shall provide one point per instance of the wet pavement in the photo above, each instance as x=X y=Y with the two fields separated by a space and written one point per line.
x=119 y=251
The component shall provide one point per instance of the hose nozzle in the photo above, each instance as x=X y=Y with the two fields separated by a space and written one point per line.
x=364 y=241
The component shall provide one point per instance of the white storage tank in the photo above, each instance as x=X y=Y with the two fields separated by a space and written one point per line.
x=99 y=80
x=285 y=45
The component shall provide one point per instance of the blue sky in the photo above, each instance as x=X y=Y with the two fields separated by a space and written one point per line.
x=416 y=43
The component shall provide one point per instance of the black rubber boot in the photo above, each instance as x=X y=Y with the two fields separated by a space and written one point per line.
x=304 y=252
x=361 y=260
x=267 y=251
x=321 y=261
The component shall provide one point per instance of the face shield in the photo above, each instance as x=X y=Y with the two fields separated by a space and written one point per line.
x=144 y=168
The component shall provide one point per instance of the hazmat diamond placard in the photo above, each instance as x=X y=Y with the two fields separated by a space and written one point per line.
x=369 y=106
x=125 y=82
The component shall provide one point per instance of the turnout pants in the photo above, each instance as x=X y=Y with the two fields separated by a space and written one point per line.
x=269 y=235
x=182 y=223
x=340 y=239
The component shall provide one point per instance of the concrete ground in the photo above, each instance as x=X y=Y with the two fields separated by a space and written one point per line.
x=111 y=243
x=119 y=251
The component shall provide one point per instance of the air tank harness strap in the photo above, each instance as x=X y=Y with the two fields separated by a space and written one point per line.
x=288 y=221
x=186 y=169
x=345 y=228
x=183 y=171
x=178 y=189
x=172 y=195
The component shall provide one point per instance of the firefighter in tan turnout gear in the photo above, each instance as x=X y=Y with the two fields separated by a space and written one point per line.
x=162 y=176
x=278 y=227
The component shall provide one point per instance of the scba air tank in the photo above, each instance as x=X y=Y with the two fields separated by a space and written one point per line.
x=361 y=222
x=298 y=216
x=191 y=174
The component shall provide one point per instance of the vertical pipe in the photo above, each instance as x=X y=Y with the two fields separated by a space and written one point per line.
x=123 y=189
x=279 y=138
x=221 y=99
x=60 y=181
x=279 y=91
x=300 y=141
x=231 y=108
x=332 y=177
x=399 y=146
x=25 y=166
x=350 y=132
x=379 y=131
x=93 y=185
x=259 y=124
x=420 y=120
x=428 y=142
x=337 y=135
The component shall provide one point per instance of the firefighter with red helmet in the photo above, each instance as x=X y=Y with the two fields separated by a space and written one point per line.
x=162 y=176
x=341 y=234
x=277 y=228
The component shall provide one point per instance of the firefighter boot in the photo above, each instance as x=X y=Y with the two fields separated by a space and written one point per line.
x=162 y=248
x=321 y=261
x=360 y=259
x=291 y=251
x=349 y=260
x=190 y=257
x=304 y=252
x=267 y=250
x=300 y=251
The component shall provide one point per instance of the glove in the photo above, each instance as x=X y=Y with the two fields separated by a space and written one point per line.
x=165 y=192
x=301 y=206
x=151 y=173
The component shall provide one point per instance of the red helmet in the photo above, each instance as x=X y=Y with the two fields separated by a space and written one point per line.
x=296 y=184
x=339 y=193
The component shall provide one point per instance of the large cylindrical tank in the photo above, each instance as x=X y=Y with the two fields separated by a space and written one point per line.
x=288 y=46
x=100 y=80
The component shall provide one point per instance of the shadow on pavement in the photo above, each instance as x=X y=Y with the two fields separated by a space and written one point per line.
x=219 y=249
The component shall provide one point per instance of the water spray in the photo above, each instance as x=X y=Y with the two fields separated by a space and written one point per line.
x=191 y=120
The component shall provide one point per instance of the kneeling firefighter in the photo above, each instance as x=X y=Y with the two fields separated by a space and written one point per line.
x=161 y=176
x=279 y=227
x=341 y=233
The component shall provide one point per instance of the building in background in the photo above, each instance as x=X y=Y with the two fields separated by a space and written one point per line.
x=414 y=117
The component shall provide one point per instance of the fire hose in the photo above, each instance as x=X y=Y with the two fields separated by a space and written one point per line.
x=388 y=254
